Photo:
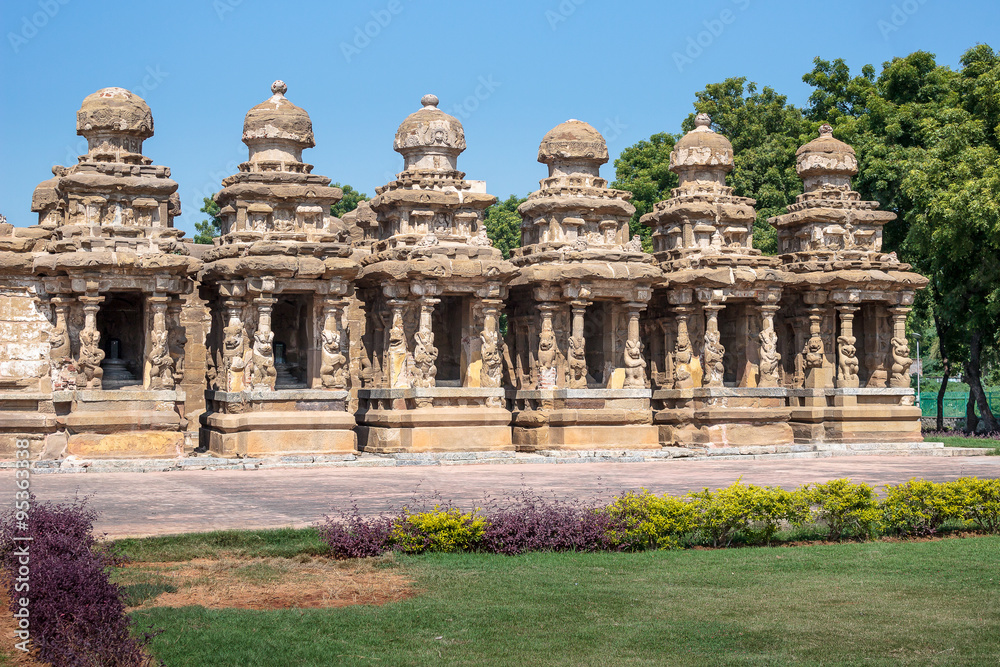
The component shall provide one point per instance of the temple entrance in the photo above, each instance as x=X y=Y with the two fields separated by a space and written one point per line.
x=120 y=321
x=447 y=324
x=289 y=322
x=595 y=321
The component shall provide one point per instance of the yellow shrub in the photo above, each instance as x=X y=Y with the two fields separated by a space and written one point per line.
x=446 y=530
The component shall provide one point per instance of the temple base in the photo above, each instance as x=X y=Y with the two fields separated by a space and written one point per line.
x=434 y=419
x=570 y=419
x=278 y=423
x=846 y=415
x=711 y=417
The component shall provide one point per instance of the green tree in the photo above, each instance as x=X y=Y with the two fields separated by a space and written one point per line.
x=503 y=224
x=348 y=202
x=211 y=228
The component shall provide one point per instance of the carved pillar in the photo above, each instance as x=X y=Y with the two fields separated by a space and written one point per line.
x=234 y=348
x=334 y=345
x=159 y=367
x=548 y=372
x=491 y=350
x=91 y=354
x=714 y=351
x=635 y=364
x=770 y=359
x=900 y=349
x=424 y=353
x=263 y=372
x=683 y=353
x=814 y=353
x=577 y=346
x=669 y=342
x=847 y=351
x=397 y=352
x=60 y=347
x=176 y=338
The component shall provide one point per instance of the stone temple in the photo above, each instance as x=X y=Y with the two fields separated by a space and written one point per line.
x=401 y=329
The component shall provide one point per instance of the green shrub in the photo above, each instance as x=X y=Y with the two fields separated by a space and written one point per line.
x=920 y=507
x=979 y=500
x=647 y=521
x=755 y=512
x=445 y=530
x=847 y=509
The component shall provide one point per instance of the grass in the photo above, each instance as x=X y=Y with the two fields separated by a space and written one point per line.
x=277 y=543
x=877 y=603
x=965 y=441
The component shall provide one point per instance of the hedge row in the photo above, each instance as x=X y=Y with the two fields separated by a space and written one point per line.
x=636 y=521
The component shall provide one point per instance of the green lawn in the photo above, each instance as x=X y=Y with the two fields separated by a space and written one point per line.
x=878 y=603
x=962 y=441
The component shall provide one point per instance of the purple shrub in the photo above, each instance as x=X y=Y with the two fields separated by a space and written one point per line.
x=351 y=535
x=77 y=615
x=529 y=522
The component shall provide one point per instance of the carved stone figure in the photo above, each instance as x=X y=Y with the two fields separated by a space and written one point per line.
x=264 y=372
x=682 y=359
x=233 y=352
x=769 y=358
x=425 y=359
x=161 y=364
x=814 y=352
x=491 y=374
x=91 y=356
x=333 y=371
x=577 y=363
x=635 y=365
x=848 y=363
x=547 y=360
x=176 y=341
x=715 y=355
x=900 y=363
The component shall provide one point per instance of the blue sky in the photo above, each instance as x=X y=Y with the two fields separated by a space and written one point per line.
x=509 y=71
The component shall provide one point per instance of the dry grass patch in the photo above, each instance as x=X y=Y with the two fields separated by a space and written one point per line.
x=304 y=582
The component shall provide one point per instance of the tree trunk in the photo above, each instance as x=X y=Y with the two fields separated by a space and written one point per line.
x=973 y=370
x=971 y=420
x=941 y=392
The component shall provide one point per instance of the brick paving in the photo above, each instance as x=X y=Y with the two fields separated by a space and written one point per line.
x=158 y=503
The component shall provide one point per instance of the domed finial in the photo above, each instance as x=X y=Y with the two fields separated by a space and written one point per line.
x=703 y=120
x=279 y=87
x=429 y=101
x=825 y=130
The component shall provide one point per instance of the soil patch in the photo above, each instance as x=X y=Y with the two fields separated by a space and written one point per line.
x=271 y=583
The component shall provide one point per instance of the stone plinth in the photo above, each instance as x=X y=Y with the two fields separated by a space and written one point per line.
x=25 y=416
x=851 y=415
x=583 y=419
x=433 y=419
x=281 y=422
x=722 y=417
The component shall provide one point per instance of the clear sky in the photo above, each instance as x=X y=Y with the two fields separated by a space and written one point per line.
x=508 y=70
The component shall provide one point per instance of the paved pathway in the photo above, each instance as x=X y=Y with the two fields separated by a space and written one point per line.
x=191 y=501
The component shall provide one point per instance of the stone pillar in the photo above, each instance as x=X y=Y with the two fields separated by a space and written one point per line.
x=158 y=371
x=577 y=346
x=263 y=372
x=397 y=352
x=669 y=342
x=814 y=353
x=491 y=350
x=635 y=364
x=232 y=375
x=714 y=352
x=684 y=361
x=176 y=338
x=899 y=349
x=60 y=347
x=91 y=354
x=770 y=359
x=334 y=345
x=847 y=351
x=424 y=353
x=548 y=372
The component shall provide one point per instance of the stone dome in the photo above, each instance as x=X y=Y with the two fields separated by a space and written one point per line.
x=573 y=140
x=114 y=110
x=277 y=118
x=826 y=156
x=430 y=128
x=702 y=147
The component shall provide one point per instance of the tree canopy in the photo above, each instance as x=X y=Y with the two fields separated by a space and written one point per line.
x=503 y=224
